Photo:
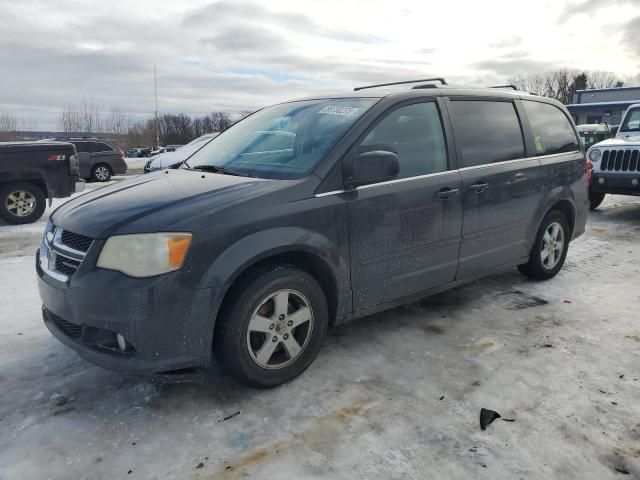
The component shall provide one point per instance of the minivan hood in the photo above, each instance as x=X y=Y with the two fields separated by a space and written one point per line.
x=105 y=211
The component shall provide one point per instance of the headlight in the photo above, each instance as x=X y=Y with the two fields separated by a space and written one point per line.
x=594 y=155
x=145 y=254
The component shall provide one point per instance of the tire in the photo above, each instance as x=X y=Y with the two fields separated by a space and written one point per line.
x=540 y=267
x=21 y=202
x=250 y=329
x=101 y=172
x=595 y=199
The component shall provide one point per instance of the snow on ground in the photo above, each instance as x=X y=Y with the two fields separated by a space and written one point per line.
x=393 y=396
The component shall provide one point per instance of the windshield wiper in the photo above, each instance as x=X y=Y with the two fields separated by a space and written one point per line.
x=222 y=170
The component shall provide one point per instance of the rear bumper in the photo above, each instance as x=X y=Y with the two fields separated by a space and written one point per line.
x=166 y=329
x=627 y=184
x=119 y=167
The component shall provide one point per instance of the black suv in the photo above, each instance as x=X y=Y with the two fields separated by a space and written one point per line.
x=99 y=158
x=308 y=214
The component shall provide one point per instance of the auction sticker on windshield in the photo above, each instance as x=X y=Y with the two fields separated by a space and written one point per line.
x=339 y=110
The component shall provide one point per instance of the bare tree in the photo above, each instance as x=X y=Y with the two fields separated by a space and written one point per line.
x=70 y=121
x=600 y=79
x=8 y=127
x=116 y=122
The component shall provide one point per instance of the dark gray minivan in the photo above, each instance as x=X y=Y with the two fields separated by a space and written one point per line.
x=308 y=214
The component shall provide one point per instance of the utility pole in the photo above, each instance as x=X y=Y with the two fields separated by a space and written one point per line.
x=155 y=90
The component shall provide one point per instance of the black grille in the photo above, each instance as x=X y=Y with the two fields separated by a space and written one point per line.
x=76 y=241
x=71 y=329
x=620 y=161
x=66 y=265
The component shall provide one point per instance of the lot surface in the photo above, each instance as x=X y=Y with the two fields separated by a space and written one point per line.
x=393 y=396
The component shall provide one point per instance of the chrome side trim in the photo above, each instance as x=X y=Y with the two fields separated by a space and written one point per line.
x=475 y=167
x=406 y=179
x=326 y=194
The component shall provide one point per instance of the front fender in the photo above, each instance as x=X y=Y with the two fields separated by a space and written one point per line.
x=261 y=245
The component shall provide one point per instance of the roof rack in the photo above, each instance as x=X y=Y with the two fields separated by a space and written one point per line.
x=437 y=79
x=504 y=86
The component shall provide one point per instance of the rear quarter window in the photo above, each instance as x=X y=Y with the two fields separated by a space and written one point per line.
x=486 y=131
x=552 y=131
x=97 y=147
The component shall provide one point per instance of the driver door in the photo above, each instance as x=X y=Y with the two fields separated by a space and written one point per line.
x=406 y=233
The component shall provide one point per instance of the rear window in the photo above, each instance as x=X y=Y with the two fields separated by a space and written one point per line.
x=486 y=131
x=552 y=131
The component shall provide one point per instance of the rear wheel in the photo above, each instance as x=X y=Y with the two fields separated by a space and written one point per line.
x=21 y=202
x=101 y=173
x=595 y=199
x=550 y=247
x=272 y=328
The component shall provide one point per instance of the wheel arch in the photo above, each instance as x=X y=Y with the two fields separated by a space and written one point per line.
x=562 y=202
x=25 y=175
x=309 y=251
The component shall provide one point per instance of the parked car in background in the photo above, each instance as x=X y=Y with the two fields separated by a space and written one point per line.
x=138 y=152
x=99 y=158
x=592 y=133
x=175 y=158
x=31 y=172
x=372 y=199
x=163 y=149
x=616 y=161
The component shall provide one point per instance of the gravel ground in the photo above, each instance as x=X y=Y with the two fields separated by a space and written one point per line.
x=393 y=396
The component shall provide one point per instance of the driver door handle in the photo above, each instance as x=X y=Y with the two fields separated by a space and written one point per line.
x=479 y=187
x=517 y=178
x=447 y=192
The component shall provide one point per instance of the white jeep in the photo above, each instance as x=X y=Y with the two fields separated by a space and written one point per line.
x=616 y=161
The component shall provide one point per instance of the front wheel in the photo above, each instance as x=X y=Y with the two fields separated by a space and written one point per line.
x=595 y=199
x=550 y=247
x=21 y=202
x=272 y=328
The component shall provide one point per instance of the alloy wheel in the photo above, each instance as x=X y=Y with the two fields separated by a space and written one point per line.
x=552 y=245
x=280 y=329
x=21 y=203
x=102 y=173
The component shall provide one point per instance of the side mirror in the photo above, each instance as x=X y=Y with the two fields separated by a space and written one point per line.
x=374 y=167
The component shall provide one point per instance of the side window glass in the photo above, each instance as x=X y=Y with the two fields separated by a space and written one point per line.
x=97 y=147
x=552 y=131
x=81 y=146
x=486 y=131
x=414 y=133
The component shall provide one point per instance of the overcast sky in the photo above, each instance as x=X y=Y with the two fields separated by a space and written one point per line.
x=242 y=54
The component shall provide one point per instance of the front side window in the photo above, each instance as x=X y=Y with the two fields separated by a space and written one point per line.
x=632 y=121
x=284 y=141
x=552 y=131
x=486 y=131
x=414 y=133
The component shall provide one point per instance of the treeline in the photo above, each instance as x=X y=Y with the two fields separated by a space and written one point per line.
x=172 y=129
x=562 y=84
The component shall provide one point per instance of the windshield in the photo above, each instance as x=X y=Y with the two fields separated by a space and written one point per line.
x=631 y=121
x=284 y=141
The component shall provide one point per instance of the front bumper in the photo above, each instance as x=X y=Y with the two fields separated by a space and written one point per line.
x=167 y=327
x=621 y=184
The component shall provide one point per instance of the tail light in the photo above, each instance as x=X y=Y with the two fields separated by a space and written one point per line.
x=589 y=169
x=55 y=157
